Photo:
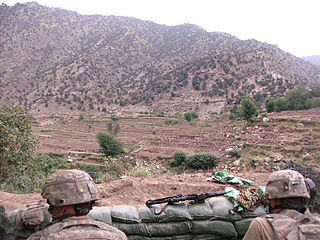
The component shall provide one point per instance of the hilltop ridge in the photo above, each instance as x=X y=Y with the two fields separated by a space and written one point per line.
x=54 y=60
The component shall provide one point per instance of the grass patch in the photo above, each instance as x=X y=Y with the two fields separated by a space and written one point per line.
x=56 y=155
x=98 y=159
x=141 y=172
x=46 y=130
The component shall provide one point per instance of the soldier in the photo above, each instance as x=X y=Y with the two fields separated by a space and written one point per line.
x=71 y=195
x=288 y=194
x=6 y=227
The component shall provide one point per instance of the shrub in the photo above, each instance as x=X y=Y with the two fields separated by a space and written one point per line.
x=81 y=117
x=248 y=108
x=141 y=172
x=235 y=153
x=16 y=148
x=187 y=116
x=190 y=115
x=109 y=146
x=194 y=115
x=202 y=160
x=178 y=158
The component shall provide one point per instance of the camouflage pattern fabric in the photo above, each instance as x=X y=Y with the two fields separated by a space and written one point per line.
x=248 y=197
x=286 y=184
x=68 y=187
x=313 y=174
x=30 y=219
x=6 y=227
x=290 y=224
x=79 y=228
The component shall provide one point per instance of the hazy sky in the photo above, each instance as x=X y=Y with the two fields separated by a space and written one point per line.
x=293 y=25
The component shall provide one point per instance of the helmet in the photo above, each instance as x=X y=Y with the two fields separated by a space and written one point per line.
x=68 y=187
x=286 y=184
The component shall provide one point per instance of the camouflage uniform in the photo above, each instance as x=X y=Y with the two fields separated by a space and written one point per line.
x=79 y=228
x=6 y=227
x=30 y=219
x=70 y=188
x=288 y=223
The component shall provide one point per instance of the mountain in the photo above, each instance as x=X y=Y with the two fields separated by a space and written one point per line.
x=55 y=60
x=313 y=59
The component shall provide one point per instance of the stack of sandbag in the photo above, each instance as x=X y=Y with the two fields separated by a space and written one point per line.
x=213 y=219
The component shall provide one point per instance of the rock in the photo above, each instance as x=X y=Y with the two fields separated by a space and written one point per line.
x=265 y=119
x=236 y=163
x=306 y=155
x=229 y=149
x=267 y=159
x=279 y=158
x=300 y=124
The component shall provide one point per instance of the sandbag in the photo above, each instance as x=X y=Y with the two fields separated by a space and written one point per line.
x=242 y=226
x=169 y=229
x=125 y=214
x=154 y=229
x=216 y=227
x=171 y=213
x=132 y=228
x=223 y=209
x=200 y=211
x=259 y=211
x=209 y=237
x=102 y=214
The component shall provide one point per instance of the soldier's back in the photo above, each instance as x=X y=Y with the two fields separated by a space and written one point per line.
x=80 y=228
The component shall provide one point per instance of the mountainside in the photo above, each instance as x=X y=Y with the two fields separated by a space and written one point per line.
x=313 y=59
x=57 y=60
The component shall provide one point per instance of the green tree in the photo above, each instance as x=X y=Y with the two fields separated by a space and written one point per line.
x=297 y=98
x=109 y=146
x=188 y=116
x=16 y=147
x=248 y=109
x=178 y=158
x=113 y=125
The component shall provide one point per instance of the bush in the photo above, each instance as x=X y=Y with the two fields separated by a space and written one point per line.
x=190 y=115
x=235 y=154
x=194 y=115
x=187 y=116
x=109 y=146
x=81 y=117
x=16 y=148
x=248 y=108
x=202 y=160
x=178 y=158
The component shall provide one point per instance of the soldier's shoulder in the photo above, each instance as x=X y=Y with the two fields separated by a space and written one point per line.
x=84 y=227
x=35 y=236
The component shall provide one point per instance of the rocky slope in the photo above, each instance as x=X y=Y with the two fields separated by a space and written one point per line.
x=57 y=60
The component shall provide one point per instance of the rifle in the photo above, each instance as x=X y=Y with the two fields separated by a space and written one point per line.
x=193 y=198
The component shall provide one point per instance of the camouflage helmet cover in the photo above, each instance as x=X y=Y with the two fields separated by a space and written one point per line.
x=286 y=184
x=68 y=187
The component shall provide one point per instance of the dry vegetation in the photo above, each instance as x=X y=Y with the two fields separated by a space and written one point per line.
x=151 y=140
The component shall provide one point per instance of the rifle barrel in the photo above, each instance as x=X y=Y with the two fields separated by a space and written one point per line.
x=180 y=197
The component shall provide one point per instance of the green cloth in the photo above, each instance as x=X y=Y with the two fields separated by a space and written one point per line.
x=224 y=178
